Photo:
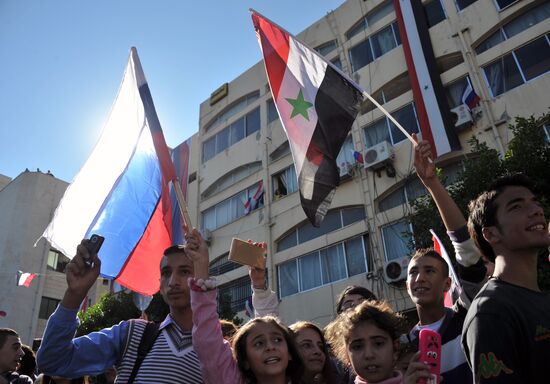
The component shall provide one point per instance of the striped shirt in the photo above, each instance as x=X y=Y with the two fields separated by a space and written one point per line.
x=170 y=360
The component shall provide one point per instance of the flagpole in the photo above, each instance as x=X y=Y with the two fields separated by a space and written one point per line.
x=182 y=205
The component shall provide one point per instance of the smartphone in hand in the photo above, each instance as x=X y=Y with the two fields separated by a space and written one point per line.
x=93 y=245
x=430 y=353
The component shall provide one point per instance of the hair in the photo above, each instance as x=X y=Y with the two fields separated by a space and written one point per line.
x=482 y=210
x=295 y=366
x=28 y=362
x=5 y=333
x=353 y=290
x=177 y=248
x=228 y=329
x=378 y=313
x=430 y=252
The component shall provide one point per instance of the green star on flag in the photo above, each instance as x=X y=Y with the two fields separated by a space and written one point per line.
x=299 y=106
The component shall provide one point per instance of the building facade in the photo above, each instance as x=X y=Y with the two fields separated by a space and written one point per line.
x=27 y=204
x=500 y=48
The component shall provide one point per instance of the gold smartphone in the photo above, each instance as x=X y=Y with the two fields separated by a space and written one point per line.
x=245 y=253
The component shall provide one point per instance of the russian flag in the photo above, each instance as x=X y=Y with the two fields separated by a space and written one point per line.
x=470 y=97
x=122 y=191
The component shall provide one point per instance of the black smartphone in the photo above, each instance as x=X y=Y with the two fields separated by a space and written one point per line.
x=93 y=245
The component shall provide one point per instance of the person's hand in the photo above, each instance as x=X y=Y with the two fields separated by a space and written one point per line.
x=416 y=370
x=422 y=155
x=80 y=277
x=197 y=251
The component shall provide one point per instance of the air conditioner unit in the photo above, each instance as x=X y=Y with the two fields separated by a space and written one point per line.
x=462 y=116
x=377 y=156
x=396 y=270
x=207 y=235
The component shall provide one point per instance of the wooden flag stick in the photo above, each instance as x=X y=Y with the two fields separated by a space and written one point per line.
x=183 y=206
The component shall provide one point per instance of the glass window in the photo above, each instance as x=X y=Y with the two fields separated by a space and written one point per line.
x=236 y=292
x=547 y=131
x=504 y=3
x=233 y=109
x=326 y=48
x=209 y=219
x=376 y=133
x=209 y=149
x=287 y=241
x=383 y=41
x=337 y=63
x=502 y=75
x=491 y=41
x=534 y=58
x=253 y=121
x=333 y=264
x=345 y=157
x=52 y=260
x=360 y=55
x=222 y=265
x=380 y=12
x=414 y=189
x=396 y=240
x=222 y=140
x=237 y=131
x=454 y=92
x=394 y=199
x=288 y=278
x=329 y=224
x=47 y=307
x=461 y=4
x=272 y=114
x=352 y=215
x=527 y=20
x=355 y=256
x=284 y=183
x=434 y=12
x=406 y=116
x=358 y=28
x=310 y=271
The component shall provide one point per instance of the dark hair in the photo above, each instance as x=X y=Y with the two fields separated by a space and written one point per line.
x=4 y=333
x=378 y=313
x=28 y=362
x=177 y=248
x=430 y=252
x=483 y=210
x=295 y=366
x=228 y=329
x=353 y=290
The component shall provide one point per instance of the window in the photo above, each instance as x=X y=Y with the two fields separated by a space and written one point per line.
x=455 y=91
x=412 y=190
x=47 y=307
x=272 y=114
x=389 y=91
x=335 y=219
x=57 y=261
x=284 y=183
x=231 y=178
x=232 y=110
x=337 y=63
x=279 y=152
x=375 y=46
x=238 y=130
x=434 y=12
x=517 y=25
x=325 y=49
x=371 y=18
x=547 y=131
x=501 y=4
x=461 y=4
x=324 y=266
x=229 y=210
x=234 y=294
x=396 y=238
x=222 y=265
x=519 y=66
x=384 y=129
x=345 y=159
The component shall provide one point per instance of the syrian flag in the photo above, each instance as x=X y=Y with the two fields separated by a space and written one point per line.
x=470 y=97
x=253 y=201
x=317 y=105
x=25 y=278
x=456 y=288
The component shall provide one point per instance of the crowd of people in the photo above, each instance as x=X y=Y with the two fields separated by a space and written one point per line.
x=497 y=331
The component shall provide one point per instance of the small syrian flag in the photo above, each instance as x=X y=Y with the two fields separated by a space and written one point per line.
x=456 y=288
x=470 y=97
x=253 y=201
x=358 y=157
x=25 y=278
x=317 y=104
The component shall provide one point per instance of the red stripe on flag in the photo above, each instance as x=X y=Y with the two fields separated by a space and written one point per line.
x=415 y=85
x=448 y=299
x=275 y=47
x=141 y=272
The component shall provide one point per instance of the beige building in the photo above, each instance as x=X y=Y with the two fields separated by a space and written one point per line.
x=27 y=204
x=500 y=47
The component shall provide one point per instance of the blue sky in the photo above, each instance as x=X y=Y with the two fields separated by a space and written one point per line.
x=62 y=62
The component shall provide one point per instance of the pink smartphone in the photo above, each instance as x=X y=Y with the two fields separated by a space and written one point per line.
x=430 y=353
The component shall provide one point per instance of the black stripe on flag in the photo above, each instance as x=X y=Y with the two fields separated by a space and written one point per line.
x=337 y=105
